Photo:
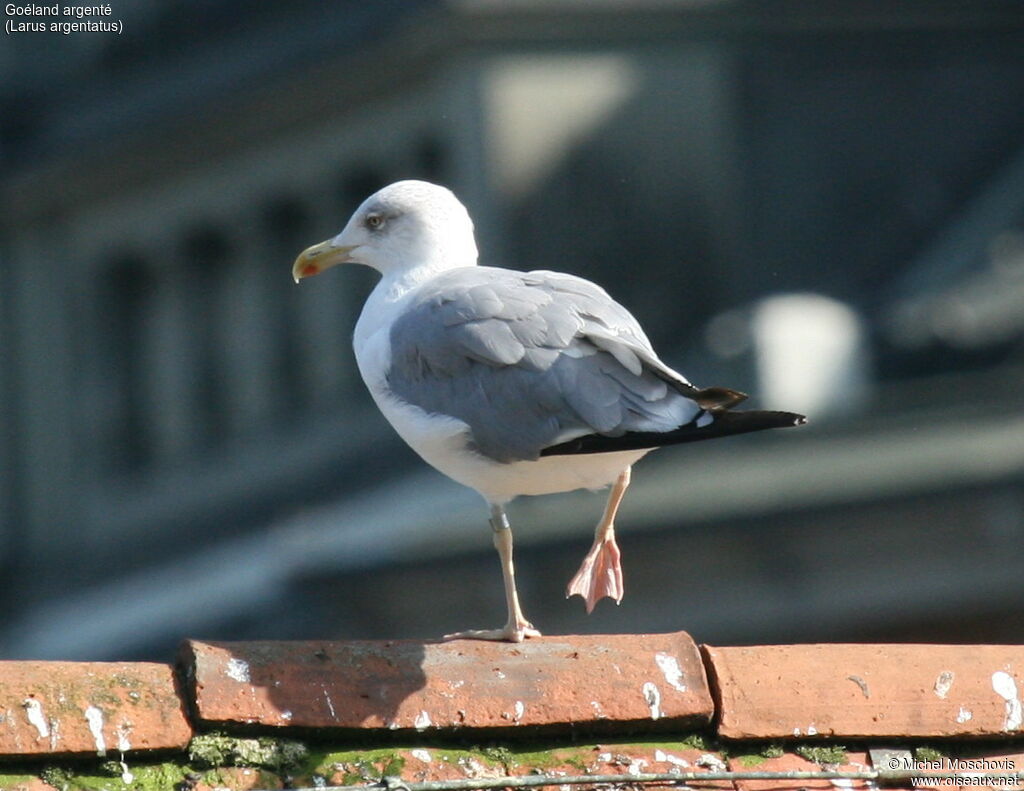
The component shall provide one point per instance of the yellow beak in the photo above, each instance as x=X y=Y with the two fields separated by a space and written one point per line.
x=314 y=260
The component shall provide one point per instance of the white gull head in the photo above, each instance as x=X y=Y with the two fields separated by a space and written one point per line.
x=404 y=227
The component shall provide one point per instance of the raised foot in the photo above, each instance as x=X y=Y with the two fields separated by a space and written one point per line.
x=600 y=574
x=510 y=633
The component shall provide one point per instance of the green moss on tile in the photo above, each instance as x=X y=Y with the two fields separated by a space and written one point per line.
x=928 y=754
x=57 y=776
x=357 y=767
x=220 y=749
x=158 y=777
x=275 y=759
x=750 y=760
x=543 y=756
x=696 y=741
x=225 y=778
x=822 y=754
x=500 y=755
x=108 y=777
x=370 y=764
x=15 y=780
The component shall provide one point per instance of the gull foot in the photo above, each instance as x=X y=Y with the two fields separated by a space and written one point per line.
x=510 y=633
x=600 y=574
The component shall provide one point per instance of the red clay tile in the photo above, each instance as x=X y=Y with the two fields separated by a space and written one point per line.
x=89 y=707
x=647 y=681
x=417 y=765
x=32 y=784
x=800 y=691
x=791 y=762
x=438 y=763
x=610 y=759
x=234 y=778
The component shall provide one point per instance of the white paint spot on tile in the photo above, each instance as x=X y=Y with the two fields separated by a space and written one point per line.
x=472 y=768
x=843 y=782
x=964 y=715
x=238 y=670
x=812 y=731
x=519 y=710
x=126 y=775
x=943 y=683
x=670 y=668
x=286 y=715
x=422 y=721
x=421 y=755
x=124 y=730
x=330 y=705
x=653 y=698
x=34 y=714
x=598 y=711
x=499 y=674
x=668 y=758
x=797 y=732
x=54 y=734
x=604 y=757
x=1006 y=688
x=1004 y=685
x=637 y=765
x=712 y=762
x=861 y=683
x=94 y=717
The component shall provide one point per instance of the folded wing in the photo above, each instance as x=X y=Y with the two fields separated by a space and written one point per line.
x=531 y=360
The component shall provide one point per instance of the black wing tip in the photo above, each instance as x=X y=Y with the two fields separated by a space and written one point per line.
x=741 y=422
x=724 y=424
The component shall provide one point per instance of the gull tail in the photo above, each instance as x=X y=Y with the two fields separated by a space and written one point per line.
x=711 y=424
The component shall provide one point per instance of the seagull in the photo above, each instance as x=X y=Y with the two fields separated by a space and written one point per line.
x=513 y=383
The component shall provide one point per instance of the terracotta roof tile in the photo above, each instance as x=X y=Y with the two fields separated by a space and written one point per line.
x=556 y=683
x=801 y=691
x=89 y=707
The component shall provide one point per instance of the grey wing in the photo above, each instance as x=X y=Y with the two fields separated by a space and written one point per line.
x=531 y=359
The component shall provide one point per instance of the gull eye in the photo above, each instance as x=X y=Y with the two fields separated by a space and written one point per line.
x=374 y=221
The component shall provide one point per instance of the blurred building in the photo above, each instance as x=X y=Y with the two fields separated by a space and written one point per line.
x=813 y=200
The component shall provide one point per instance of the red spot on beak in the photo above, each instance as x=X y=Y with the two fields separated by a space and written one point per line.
x=310 y=269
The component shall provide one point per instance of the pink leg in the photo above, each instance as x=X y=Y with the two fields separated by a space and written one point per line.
x=516 y=628
x=600 y=573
